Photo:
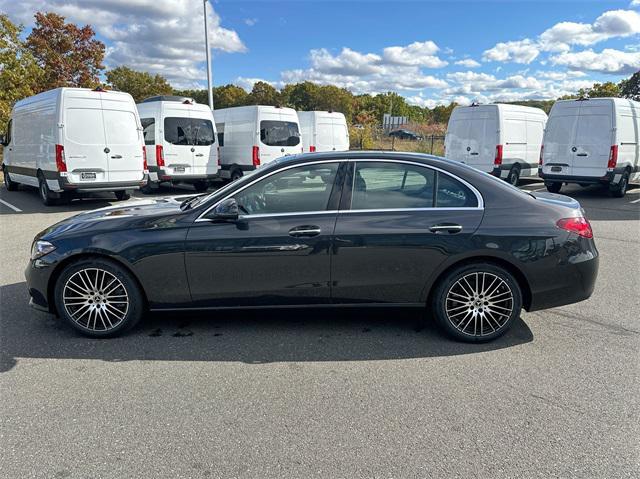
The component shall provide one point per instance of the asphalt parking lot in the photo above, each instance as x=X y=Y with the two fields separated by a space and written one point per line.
x=349 y=394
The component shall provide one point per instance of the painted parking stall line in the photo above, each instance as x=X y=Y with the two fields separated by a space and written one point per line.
x=9 y=205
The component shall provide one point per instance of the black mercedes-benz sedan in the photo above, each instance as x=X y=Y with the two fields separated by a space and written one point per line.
x=324 y=229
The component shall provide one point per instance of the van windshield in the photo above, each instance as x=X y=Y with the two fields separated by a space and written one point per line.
x=279 y=133
x=188 y=131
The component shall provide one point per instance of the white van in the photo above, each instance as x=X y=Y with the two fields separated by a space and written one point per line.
x=500 y=139
x=592 y=141
x=180 y=136
x=250 y=136
x=75 y=140
x=323 y=131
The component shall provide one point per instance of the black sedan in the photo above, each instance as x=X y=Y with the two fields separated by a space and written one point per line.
x=327 y=229
x=405 y=135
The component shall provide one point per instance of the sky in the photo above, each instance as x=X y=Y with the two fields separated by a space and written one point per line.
x=431 y=52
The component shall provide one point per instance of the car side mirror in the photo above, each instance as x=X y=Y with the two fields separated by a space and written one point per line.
x=226 y=210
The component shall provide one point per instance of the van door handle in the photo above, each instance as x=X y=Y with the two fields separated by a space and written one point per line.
x=448 y=227
x=199 y=154
x=475 y=153
x=582 y=154
x=306 y=230
x=117 y=157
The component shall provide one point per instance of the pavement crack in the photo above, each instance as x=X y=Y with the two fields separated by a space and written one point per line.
x=611 y=327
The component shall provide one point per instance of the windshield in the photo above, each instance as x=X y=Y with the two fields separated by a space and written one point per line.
x=279 y=133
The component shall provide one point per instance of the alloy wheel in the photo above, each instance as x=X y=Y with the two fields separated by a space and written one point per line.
x=95 y=299
x=479 y=304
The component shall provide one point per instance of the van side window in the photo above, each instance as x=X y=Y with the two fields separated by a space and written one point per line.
x=380 y=186
x=8 y=137
x=220 y=128
x=149 y=130
x=453 y=194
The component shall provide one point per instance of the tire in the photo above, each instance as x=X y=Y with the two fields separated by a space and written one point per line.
x=201 y=186
x=9 y=183
x=620 y=190
x=514 y=175
x=462 y=294
x=553 y=187
x=45 y=193
x=107 y=312
x=236 y=174
x=147 y=189
x=122 y=195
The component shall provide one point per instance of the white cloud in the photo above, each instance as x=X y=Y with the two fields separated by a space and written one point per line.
x=607 y=61
x=247 y=83
x=348 y=62
x=468 y=63
x=416 y=54
x=521 y=51
x=250 y=21
x=159 y=36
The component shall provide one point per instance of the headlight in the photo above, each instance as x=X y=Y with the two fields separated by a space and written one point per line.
x=40 y=248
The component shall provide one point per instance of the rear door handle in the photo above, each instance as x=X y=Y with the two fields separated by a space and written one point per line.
x=117 y=157
x=446 y=227
x=305 y=231
x=199 y=154
x=475 y=153
x=582 y=154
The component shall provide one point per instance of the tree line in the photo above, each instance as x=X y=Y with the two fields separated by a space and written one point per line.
x=57 y=53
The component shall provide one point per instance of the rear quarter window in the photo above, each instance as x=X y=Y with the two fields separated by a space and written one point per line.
x=452 y=193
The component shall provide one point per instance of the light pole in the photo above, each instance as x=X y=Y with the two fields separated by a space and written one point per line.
x=206 y=41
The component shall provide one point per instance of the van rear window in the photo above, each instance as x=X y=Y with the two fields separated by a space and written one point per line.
x=188 y=131
x=279 y=133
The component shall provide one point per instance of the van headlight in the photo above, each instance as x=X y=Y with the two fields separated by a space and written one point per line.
x=41 y=248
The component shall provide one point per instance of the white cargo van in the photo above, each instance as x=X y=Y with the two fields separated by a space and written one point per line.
x=75 y=140
x=500 y=139
x=250 y=136
x=323 y=131
x=592 y=141
x=180 y=136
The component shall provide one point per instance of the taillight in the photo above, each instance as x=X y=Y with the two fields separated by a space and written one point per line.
x=61 y=163
x=613 y=157
x=255 y=156
x=579 y=225
x=159 y=156
x=541 y=155
x=312 y=148
x=498 y=159
x=145 y=166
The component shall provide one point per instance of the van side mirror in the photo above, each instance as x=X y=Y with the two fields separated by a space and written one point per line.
x=226 y=210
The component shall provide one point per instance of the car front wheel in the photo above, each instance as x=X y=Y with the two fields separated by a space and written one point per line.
x=477 y=302
x=98 y=298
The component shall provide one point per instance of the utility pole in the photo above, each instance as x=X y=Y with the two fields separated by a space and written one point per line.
x=206 y=41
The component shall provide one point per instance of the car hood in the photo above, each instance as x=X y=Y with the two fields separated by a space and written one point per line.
x=143 y=214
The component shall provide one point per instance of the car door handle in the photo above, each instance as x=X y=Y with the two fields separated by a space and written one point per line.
x=448 y=227
x=199 y=154
x=116 y=157
x=582 y=154
x=305 y=231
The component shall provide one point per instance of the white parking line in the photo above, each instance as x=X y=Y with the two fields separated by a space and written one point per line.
x=635 y=201
x=14 y=208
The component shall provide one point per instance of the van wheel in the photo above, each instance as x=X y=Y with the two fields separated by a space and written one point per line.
x=147 y=189
x=201 y=186
x=236 y=174
x=621 y=188
x=98 y=298
x=122 y=195
x=45 y=193
x=9 y=183
x=477 y=302
x=514 y=175
x=553 y=187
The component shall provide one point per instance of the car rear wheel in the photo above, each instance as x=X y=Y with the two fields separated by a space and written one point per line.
x=553 y=187
x=477 y=302
x=122 y=195
x=621 y=188
x=201 y=186
x=9 y=183
x=98 y=298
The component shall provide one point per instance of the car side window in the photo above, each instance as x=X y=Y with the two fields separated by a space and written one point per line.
x=379 y=185
x=295 y=190
x=451 y=193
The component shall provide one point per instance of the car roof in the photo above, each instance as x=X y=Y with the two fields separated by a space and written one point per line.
x=368 y=155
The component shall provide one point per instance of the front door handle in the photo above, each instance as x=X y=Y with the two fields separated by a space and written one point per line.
x=446 y=227
x=305 y=231
x=116 y=157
